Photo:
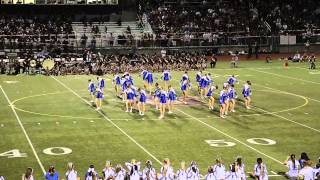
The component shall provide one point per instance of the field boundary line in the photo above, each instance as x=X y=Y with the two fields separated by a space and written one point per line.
x=23 y=130
x=109 y=120
x=229 y=136
x=288 y=77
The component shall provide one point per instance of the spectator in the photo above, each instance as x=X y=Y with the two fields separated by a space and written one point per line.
x=52 y=174
x=71 y=173
x=28 y=175
x=293 y=166
x=307 y=172
x=108 y=172
x=91 y=174
x=149 y=173
x=260 y=171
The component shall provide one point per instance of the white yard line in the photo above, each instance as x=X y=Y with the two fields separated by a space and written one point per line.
x=229 y=136
x=109 y=120
x=288 y=77
x=284 y=118
x=23 y=130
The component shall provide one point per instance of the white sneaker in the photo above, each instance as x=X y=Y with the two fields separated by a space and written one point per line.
x=142 y=114
x=248 y=107
x=170 y=112
x=127 y=111
x=233 y=110
x=222 y=116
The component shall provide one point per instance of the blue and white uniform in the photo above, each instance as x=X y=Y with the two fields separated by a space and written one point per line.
x=157 y=93
x=102 y=83
x=210 y=91
x=91 y=88
x=223 y=97
x=246 y=91
x=232 y=80
x=117 y=80
x=172 y=96
x=166 y=75
x=184 y=77
x=232 y=93
x=144 y=75
x=219 y=171
x=149 y=78
x=203 y=82
x=184 y=85
x=130 y=94
x=99 y=94
x=163 y=97
x=143 y=96
x=198 y=78
x=191 y=174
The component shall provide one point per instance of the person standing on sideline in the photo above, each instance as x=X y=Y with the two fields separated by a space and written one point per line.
x=71 y=173
x=52 y=174
x=27 y=176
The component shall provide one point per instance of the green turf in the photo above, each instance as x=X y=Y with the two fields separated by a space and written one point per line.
x=53 y=116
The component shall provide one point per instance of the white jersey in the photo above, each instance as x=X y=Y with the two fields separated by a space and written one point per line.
x=232 y=176
x=24 y=178
x=219 y=171
x=241 y=171
x=193 y=175
x=149 y=174
x=71 y=175
x=181 y=174
x=120 y=175
x=135 y=175
x=307 y=173
x=108 y=172
x=293 y=168
x=210 y=176
x=260 y=170
x=166 y=173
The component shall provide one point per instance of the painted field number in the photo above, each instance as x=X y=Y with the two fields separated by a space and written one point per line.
x=224 y=143
x=220 y=143
x=53 y=151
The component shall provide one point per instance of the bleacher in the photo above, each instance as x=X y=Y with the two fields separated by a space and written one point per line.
x=112 y=27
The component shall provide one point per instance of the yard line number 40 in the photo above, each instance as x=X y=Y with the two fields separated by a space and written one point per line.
x=53 y=151
x=224 y=143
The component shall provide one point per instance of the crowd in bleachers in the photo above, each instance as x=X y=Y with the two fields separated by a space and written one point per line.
x=28 y=33
x=233 y=18
x=298 y=169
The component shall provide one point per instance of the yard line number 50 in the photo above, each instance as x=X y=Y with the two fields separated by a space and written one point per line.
x=224 y=143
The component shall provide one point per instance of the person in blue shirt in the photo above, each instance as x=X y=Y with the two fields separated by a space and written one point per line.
x=52 y=174
x=232 y=80
x=172 y=96
x=117 y=83
x=101 y=84
x=198 y=80
x=184 y=89
x=166 y=78
x=144 y=74
x=91 y=174
x=149 y=78
x=142 y=101
x=163 y=102
x=91 y=89
x=246 y=92
x=130 y=98
x=210 y=96
x=99 y=98
x=222 y=101
x=156 y=95
x=232 y=94
x=203 y=86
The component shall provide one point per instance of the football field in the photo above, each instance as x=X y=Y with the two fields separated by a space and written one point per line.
x=50 y=121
